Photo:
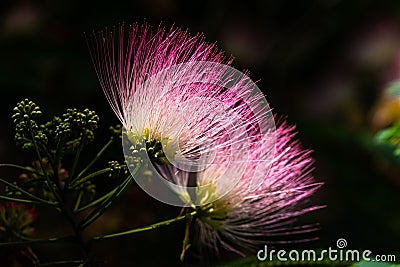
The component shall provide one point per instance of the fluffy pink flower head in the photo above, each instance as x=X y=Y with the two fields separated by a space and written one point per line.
x=179 y=100
x=244 y=220
x=196 y=117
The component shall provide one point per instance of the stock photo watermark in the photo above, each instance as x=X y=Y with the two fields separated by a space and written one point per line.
x=338 y=253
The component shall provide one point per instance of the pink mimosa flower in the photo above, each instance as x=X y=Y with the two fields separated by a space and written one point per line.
x=244 y=220
x=198 y=118
x=177 y=98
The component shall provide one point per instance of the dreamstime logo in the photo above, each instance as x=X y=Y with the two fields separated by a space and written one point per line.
x=331 y=254
x=197 y=110
x=341 y=243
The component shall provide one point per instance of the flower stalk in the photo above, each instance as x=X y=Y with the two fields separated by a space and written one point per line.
x=154 y=226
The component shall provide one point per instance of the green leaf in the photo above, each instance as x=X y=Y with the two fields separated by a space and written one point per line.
x=390 y=137
x=389 y=134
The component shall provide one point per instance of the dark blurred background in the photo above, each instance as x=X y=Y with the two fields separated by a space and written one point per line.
x=323 y=64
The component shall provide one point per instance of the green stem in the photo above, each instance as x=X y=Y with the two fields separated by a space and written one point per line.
x=97 y=201
x=57 y=157
x=78 y=201
x=43 y=201
x=95 y=158
x=88 y=177
x=19 y=167
x=54 y=166
x=106 y=203
x=147 y=228
x=47 y=154
x=29 y=241
x=61 y=263
x=27 y=183
x=185 y=243
x=42 y=165
x=77 y=231
x=61 y=206
x=109 y=200
x=56 y=162
x=20 y=200
x=77 y=155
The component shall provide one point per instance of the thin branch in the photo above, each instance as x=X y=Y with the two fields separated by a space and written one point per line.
x=30 y=241
x=147 y=228
x=27 y=169
x=95 y=158
x=43 y=201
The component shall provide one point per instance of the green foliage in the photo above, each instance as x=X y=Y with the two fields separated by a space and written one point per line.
x=48 y=182
x=390 y=136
